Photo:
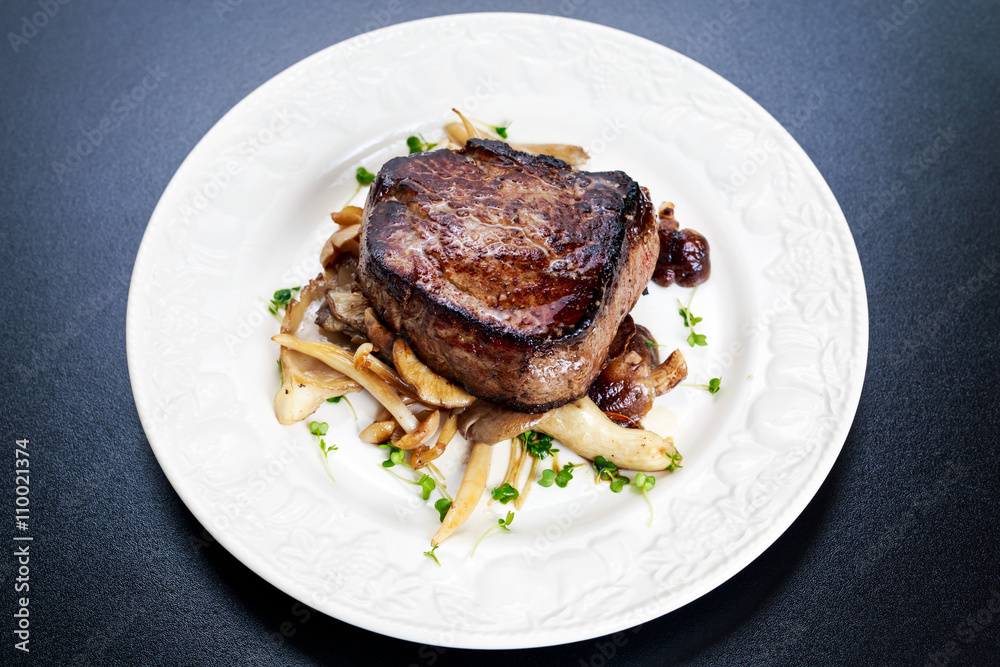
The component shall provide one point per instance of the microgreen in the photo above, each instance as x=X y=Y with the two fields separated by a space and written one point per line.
x=430 y=554
x=503 y=524
x=363 y=177
x=395 y=455
x=650 y=344
x=280 y=300
x=561 y=478
x=501 y=130
x=713 y=386
x=442 y=505
x=690 y=321
x=537 y=444
x=418 y=145
x=319 y=429
x=426 y=485
x=505 y=493
x=337 y=399
x=645 y=483
x=609 y=471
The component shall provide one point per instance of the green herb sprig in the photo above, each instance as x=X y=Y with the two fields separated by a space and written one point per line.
x=645 y=484
x=442 y=505
x=319 y=429
x=690 y=321
x=505 y=493
x=609 y=471
x=395 y=457
x=537 y=444
x=418 y=145
x=363 y=177
x=561 y=478
x=338 y=399
x=280 y=300
x=431 y=554
x=502 y=524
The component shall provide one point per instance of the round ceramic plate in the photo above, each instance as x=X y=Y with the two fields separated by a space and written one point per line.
x=784 y=315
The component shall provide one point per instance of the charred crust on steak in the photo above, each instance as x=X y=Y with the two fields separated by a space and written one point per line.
x=508 y=273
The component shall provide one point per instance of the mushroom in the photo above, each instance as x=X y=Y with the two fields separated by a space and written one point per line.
x=347 y=216
x=574 y=155
x=348 y=307
x=423 y=454
x=342 y=360
x=365 y=360
x=305 y=382
x=491 y=423
x=431 y=388
x=377 y=432
x=584 y=429
x=667 y=375
x=380 y=336
x=632 y=377
x=580 y=426
x=428 y=426
x=471 y=490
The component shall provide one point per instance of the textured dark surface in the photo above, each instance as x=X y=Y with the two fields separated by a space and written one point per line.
x=897 y=549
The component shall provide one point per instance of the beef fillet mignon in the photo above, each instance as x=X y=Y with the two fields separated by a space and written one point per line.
x=508 y=273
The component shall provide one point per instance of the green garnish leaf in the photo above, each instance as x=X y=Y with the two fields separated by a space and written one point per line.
x=690 y=321
x=605 y=468
x=418 y=145
x=502 y=131
x=442 y=505
x=539 y=445
x=363 y=176
x=501 y=523
x=280 y=299
x=609 y=471
x=426 y=486
x=618 y=483
x=696 y=339
x=430 y=554
x=395 y=455
x=561 y=478
x=337 y=399
x=318 y=428
x=645 y=483
x=505 y=493
x=714 y=385
x=564 y=476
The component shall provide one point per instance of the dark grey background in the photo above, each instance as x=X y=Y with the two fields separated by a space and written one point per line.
x=898 y=548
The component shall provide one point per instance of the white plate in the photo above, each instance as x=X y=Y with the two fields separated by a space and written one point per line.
x=785 y=314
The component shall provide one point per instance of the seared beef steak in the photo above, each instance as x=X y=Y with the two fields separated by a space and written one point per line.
x=508 y=273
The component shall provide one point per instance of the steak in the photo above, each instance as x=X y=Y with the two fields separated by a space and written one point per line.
x=508 y=273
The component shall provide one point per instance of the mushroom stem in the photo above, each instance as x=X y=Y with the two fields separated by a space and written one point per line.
x=583 y=428
x=471 y=490
x=341 y=360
